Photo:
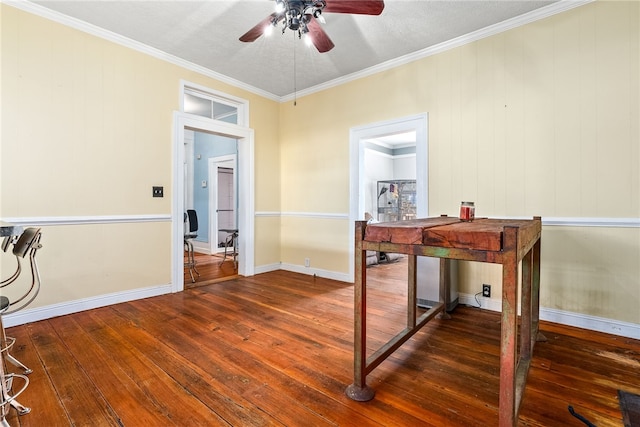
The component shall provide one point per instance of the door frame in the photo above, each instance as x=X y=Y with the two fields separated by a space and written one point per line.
x=357 y=136
x=229 y=162
x=245 y=177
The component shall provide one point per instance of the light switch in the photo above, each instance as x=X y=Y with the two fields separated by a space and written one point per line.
x=204 y=184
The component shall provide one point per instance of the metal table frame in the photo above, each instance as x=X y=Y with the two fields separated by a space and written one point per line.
x=520 y=241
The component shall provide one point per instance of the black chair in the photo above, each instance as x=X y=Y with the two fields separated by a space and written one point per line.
x=191 y=232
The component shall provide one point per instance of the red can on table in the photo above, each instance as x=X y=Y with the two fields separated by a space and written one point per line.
x=467 y=211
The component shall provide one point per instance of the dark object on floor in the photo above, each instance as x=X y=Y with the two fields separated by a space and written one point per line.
x=630 y=407
x=580 y=417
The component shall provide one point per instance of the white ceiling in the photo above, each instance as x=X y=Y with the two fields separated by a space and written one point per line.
x=205 y=33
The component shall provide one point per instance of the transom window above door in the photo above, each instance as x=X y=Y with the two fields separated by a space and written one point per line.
x=213 y=105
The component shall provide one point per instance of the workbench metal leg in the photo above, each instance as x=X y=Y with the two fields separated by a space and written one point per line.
x=412 y=291
x=535 y=292
x=359 y=390
x=526 y=322
x=445 y=282
x=509 y=330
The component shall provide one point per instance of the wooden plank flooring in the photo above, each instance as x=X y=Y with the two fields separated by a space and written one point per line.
x=212 y=270
x=276 y=349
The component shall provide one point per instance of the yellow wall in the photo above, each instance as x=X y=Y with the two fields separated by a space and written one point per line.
x=539 y=120
x=87 y=131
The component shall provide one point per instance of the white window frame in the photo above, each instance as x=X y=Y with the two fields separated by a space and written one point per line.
x=241 y=105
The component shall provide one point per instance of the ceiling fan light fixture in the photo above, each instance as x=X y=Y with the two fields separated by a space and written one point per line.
x=305 y=16
x=307 y=40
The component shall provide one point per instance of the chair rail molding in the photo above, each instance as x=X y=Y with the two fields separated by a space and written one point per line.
x=88 y=219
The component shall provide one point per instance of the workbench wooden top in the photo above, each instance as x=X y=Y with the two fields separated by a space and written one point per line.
x=449 y=232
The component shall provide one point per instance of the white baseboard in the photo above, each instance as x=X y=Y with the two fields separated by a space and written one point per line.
x=593 y=323
x=41 y=313
x=267 y=268
x=342 y=277
x=583 y=321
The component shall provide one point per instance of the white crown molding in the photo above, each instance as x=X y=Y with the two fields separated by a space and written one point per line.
x=82 y=220
x=518 y=21
x=544 y=12
x=77 y=24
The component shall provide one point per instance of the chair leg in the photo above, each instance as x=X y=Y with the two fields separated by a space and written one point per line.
x=191 y=261
x=18 y=364
x=9 y=398
x=22 y=410
x=6 y=344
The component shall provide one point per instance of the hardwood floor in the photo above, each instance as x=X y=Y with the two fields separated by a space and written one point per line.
x=276 y=349
x=212 y=269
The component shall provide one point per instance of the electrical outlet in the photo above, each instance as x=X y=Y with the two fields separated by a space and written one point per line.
x=307 y=262
x=158 y=191
x=486 y=290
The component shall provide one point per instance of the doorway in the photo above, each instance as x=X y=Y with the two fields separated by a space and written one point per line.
x=245 y=190
x=222 y=202
x=357 y=181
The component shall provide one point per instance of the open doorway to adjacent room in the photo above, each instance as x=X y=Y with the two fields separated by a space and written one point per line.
x=211 y=125
x=211 y=191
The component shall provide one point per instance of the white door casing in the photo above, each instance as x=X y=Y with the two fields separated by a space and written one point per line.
x=228 y=162
x=245 y=177
x=357 y=135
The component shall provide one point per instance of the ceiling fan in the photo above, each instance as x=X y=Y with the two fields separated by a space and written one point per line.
x=302 y=16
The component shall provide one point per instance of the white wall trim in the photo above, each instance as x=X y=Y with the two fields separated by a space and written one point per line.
x=132 y=44
x=334 y=275
x=546 y=221
x=317 y=215
x=593 y=323
x=41 y=313
x=268 y=213
x=518 y=21
x=83 y=220
x=583 y=321
x=592 y=222
x=267 y=268
x=527 y=18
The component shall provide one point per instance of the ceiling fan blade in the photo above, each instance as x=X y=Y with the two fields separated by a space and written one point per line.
x=258 y=30
x=361 y=7
x=319 y=38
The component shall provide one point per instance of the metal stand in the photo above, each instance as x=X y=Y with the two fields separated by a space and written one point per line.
x=231 y=242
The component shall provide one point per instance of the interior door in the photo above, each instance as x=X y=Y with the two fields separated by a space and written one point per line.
x=223 y=196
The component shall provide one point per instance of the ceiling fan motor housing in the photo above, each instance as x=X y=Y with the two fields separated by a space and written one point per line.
x=296 y=12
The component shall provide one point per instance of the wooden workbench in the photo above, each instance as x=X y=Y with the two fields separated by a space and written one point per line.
x=499 y=241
